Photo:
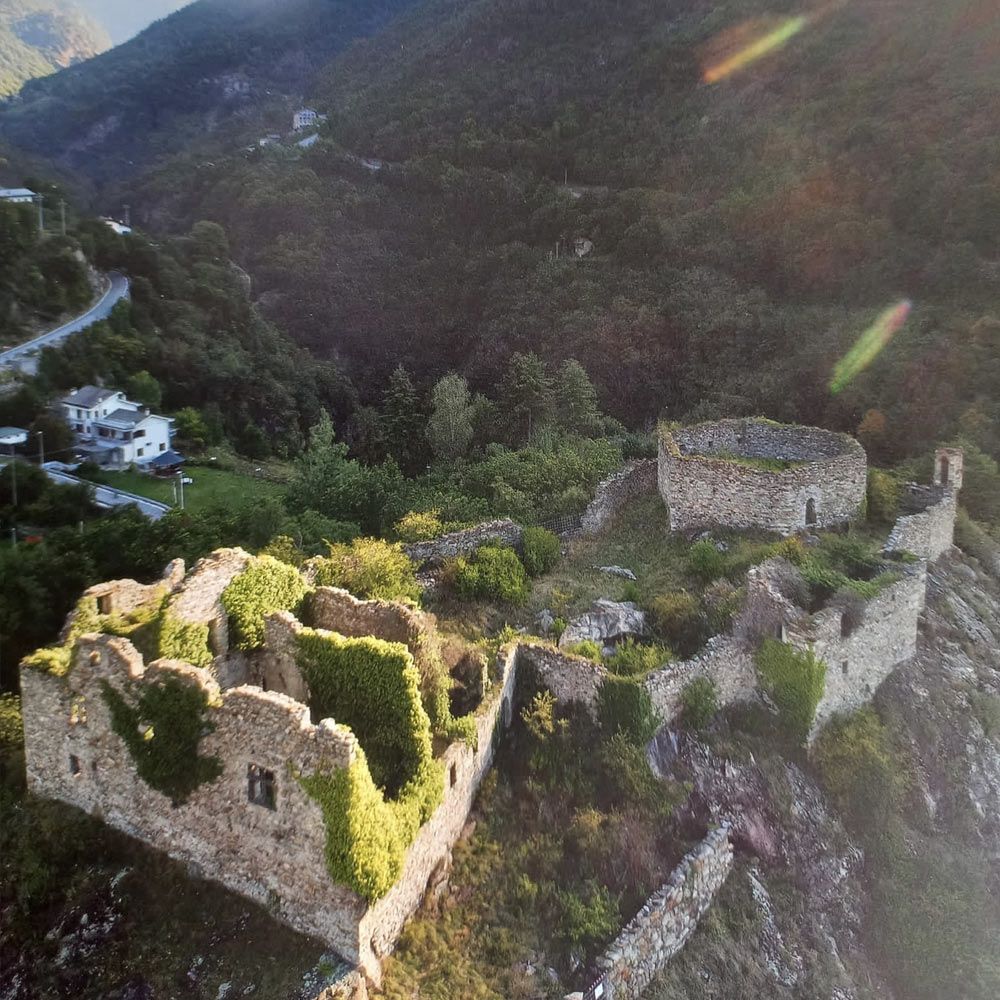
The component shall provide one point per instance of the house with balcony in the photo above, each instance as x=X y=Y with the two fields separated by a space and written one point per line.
x=113 y=431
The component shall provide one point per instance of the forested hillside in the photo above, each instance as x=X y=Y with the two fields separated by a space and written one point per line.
x=124 y=18
x=745 y=233
x=37 y=37
x=217 y=64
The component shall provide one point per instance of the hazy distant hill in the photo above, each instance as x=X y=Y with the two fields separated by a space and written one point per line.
x=185 y=77
x=37 y=37
x=125 y=18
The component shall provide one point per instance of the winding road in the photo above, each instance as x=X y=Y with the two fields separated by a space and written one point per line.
x=118 y=290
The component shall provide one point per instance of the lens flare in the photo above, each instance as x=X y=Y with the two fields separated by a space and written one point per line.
x=757 y=49
x=870 y=345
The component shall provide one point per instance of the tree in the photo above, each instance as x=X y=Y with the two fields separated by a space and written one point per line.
x=143 y=388
x=528 y=391
x=450 y=428
x=57 y=437
x=190 y=428
x=576 y=399
x=402 y=421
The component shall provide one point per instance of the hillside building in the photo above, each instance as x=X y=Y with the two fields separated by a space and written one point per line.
x=113 y=431
x=19 y=196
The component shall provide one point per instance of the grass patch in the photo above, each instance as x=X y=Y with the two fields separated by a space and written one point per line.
x=210 y=487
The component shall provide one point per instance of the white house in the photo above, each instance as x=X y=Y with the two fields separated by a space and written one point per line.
x=306 y=118
x=20 y=196
x=113 y=431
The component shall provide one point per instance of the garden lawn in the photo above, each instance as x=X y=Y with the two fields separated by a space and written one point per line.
x=211 y=487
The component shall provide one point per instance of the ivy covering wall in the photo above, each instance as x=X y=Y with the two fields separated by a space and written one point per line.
x=795 y=680
x=152 y=628
x=162 y=729
x=265 y=586
x=373 y=809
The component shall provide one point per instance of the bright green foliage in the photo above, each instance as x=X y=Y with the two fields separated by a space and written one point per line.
x=419 y=526
x=588 y=649
x=634 y=659
x=699 y=702
x=541 y=550
x=577 y=409
x=865 y=774
x=451 y=425
x=366 y=836
x=624 y=706
x=795 y=680
x=162 y=730
x=374 y=808
x=373 y=687
x=705 y=562
x=11 y=723
x=370 y=568
x=678 y=619
x=265 y=586
x=187 y=641
x=883 y=497
x=491 y=573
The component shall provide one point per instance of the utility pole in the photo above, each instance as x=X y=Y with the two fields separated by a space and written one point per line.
x=128 y=216
x=13 y=476
x=62 y=209
x=180 y=484
x=41 y=215
x=41 y=448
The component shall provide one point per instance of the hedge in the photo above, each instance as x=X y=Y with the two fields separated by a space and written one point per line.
x=795 y=680
x=162 y=731
x=265 y=586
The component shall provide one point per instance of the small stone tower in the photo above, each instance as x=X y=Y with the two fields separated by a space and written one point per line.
x=949 y=466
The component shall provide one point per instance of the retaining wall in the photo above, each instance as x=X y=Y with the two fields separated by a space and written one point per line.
x=462 y=543
x=614 y=493
x=928 y=532
x=665 y=923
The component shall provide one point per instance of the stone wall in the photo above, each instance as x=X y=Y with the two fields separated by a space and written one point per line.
x=462 y=543
x=703 y=486
x=570 y=678
x=339 y=611
x=614 y=493
x=929 y=530
x=430 y=853
x=122 y=597
x=274 y=857
x=665 y=923
x=726 y=660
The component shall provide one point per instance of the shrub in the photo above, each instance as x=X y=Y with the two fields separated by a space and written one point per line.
x=861 y=770
x=624 y=706
x=629 y=780
x=588 y=649
x=162 y=732
x=419 y=526
x=369 y=568
x=705 y=562
x=795 y=680
x=883 y=497
x=265 y=586
x=491 y=573
x=633 y=659
x=542 y=550
x=678 y=620
x=699 y=702
x=973 y=538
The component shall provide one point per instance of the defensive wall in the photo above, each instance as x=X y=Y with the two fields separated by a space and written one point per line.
x=747 y=474
x=463 y=543
x=665 y=923
x=613 y=494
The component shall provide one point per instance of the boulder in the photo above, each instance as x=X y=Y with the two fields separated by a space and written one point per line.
x=606 y=622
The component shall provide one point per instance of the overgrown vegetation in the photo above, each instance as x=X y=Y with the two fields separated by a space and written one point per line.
x=491 y=573
x=265 y=586
x=374 y=808
x=371 y=569
x=795 y=680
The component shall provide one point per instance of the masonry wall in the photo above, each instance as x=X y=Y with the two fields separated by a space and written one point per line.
x=929 y=531
x=570 y=678
x=636 y=479
x=726 y=660
x=859 y=662
x=273 y=857
x=430 y=854
x=665 y=923
x=461 y=543
x=703 y=490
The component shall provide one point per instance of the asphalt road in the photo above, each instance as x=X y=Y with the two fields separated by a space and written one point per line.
x=107 y=496
x=119 y=290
